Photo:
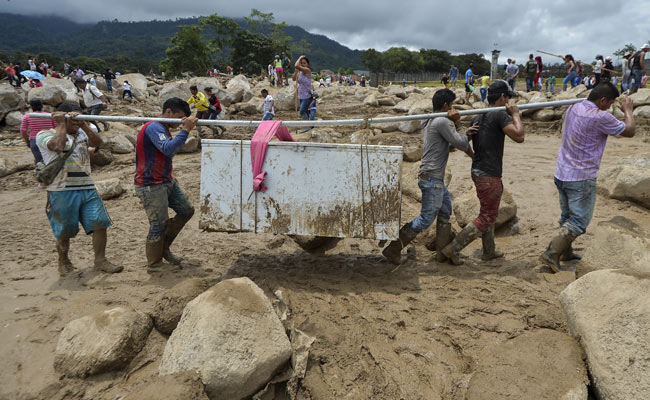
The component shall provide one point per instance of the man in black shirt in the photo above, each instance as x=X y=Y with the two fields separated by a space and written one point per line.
x=488 y=145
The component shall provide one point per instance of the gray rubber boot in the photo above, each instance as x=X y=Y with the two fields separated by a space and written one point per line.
x=489 y=247
x=174 y=226
x=393 y=252
x=443 y=238
x=569 y=255
x=560 y=244
x=464 y=238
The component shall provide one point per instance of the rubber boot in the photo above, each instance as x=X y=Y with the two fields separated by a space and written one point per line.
x=556 y=248
x=154 y=252
x=174 y=226
x=443 y=238
x=569 y=255
x=489 y=247
x=465 y=237
x=393 y=252
x=106 y=266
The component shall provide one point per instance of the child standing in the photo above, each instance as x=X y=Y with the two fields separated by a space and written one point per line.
x=126 y=89
x=269 y=110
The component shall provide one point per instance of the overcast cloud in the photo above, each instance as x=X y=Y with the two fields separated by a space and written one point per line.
x=583 y=28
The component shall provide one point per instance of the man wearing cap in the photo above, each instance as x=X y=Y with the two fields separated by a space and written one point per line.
x=488 y=143
x=587 y=126
x=286 y=65
x=93 y=99
x=637 y=68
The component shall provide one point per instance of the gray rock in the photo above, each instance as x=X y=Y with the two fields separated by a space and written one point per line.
x=386 y=101
x=109 y=188
x=232 y=337
x=628 y=179
x=410 y=126
x=14 y=118
x=103 y=157
x=285 y=99
x=10 y=99
x=185 y=386
x=66 y=86
x=642 y=111
x=169 y=307
x=544 y=115
x=101 y=342
x=466 y=208
x=8 y=167
x=52 y=95
x=511 y=370
x=191 y=145
x=387 y=126
x=325 y=135
x=371 y=100
x=609 y=312
x=641 y=97
x=118 y=144
x=412 y=150
x=249 y=108
x=181 y=89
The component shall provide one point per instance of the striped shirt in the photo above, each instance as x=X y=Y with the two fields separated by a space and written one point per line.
x=32 y=126
x=75 y=174
x=583 y=141
x=154 y=150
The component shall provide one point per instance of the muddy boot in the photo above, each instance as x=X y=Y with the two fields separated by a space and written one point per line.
x=443 y=238
x=154 y=252
x=393 y=252
x=489 y=247
x=556 y=248
x=174 y=226
x=106 y=266
x=465 y=237
x=569 y=255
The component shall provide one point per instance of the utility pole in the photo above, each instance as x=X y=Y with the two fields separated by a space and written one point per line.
x=494 y=70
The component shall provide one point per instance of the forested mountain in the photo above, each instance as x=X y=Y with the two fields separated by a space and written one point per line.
x=144 y=43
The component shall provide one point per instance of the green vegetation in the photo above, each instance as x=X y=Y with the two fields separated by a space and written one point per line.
x=401 y=59
x=188 y=53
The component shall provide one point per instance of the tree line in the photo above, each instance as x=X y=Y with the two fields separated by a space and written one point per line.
x=401 y=59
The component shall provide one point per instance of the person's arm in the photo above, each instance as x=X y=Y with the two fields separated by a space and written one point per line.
x=514 y=131
x=456 y=137
x=94 y=140
x=23 y=129
x=57 y=143
x=627 y=106
x=642 y=63
x=169 y=147
x=304 y=70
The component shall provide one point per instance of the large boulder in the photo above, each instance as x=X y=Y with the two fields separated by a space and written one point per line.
x=118 y=144
x=232 y=337
x=545 y=114
x=138 y=82
x=191 y=145
x=466 y=208
x=410 y=126
x=371 y=100
x=52 y=95
x=14 y=118
x=641 y=97
x=325 y=135
x=608 y=311
x=65 y=85
x=101 y=342
x=573 y=93
x=628 y=179
x=511 y=370
x=109 y=188
x=387 y=126
x=285 y=99
x=642 y=112
x=396 y=91
x=412 y=150
x=181 y=89
x=386 y=101
x=8 y=167
x=405 y=106
x=168 y=309
x=10 y=99
x=102 y=157
x=617 y=243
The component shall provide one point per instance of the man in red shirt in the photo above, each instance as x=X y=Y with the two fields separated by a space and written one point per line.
x=156 y=187
x=11 y=72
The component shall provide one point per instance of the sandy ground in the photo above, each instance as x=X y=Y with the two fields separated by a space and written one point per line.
x=415 y=333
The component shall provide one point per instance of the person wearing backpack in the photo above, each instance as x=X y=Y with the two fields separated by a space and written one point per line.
x=94 y=100
x=637 y=67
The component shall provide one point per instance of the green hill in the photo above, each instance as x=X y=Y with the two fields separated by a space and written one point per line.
x=142 y=42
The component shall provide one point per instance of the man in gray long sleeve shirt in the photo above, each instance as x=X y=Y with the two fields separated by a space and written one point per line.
x=439 y=135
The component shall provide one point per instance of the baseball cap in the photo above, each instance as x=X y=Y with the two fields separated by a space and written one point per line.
x=608 y=58
x=499 y=86
x=646 y=46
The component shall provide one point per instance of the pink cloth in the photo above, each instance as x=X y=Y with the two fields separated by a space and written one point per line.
x=260 y=142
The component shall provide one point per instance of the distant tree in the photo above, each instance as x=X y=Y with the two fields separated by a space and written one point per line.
x=373 y=60
x=627 y=49
x=221 y=30
x=188 y=53
x=341 y=71
x=436 y=60
x=401 y=59
x=251 y=52
x=349 y=71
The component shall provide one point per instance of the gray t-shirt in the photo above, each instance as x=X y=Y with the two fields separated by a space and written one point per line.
x=439 y=133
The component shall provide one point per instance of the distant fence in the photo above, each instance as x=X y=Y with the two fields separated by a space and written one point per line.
x=377 y=78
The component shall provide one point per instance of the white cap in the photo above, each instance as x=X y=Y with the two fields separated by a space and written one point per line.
x=646 y=46
x=608 y=58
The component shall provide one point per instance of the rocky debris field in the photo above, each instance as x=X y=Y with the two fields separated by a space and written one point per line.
x=257 y=316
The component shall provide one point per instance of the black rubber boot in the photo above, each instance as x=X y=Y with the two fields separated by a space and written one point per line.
x=174 y=226
x=443 y=238
x=559 y=245
x=393 y=252
x=489 y=247
x=154 y=252
x=569 y=255
x=465 y=237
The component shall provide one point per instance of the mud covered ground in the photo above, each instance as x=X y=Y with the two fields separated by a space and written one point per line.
x=415 y=333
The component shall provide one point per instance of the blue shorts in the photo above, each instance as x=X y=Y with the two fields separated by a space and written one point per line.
x=66 y=209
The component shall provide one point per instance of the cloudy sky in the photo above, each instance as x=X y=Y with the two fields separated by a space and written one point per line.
x=583 y=28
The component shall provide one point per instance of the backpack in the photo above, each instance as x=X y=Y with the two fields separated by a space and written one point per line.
x=45 y=175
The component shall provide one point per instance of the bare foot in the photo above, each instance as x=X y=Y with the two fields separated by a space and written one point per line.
x=106 y=266
x=65 y=267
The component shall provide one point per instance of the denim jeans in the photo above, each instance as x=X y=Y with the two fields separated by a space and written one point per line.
x=304 y=108
x=312 y=114
x=636 y=74
x=577 y=202
x=268 y=116
x=530 y=84
x=35 y=151
x=569 y=79
x=109 y=85
x=435 y=201
x=552 y=87
x=156 y=200
x=483 y=93
x=512 y=83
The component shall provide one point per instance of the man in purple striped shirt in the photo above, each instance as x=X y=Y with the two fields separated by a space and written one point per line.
x=586 y=129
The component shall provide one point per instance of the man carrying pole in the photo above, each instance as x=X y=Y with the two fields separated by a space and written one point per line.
x=156 y=187
x=584 y=136
x=439 y=134
x=488 y=145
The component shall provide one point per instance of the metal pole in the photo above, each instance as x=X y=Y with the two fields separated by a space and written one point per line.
x=370 y=121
